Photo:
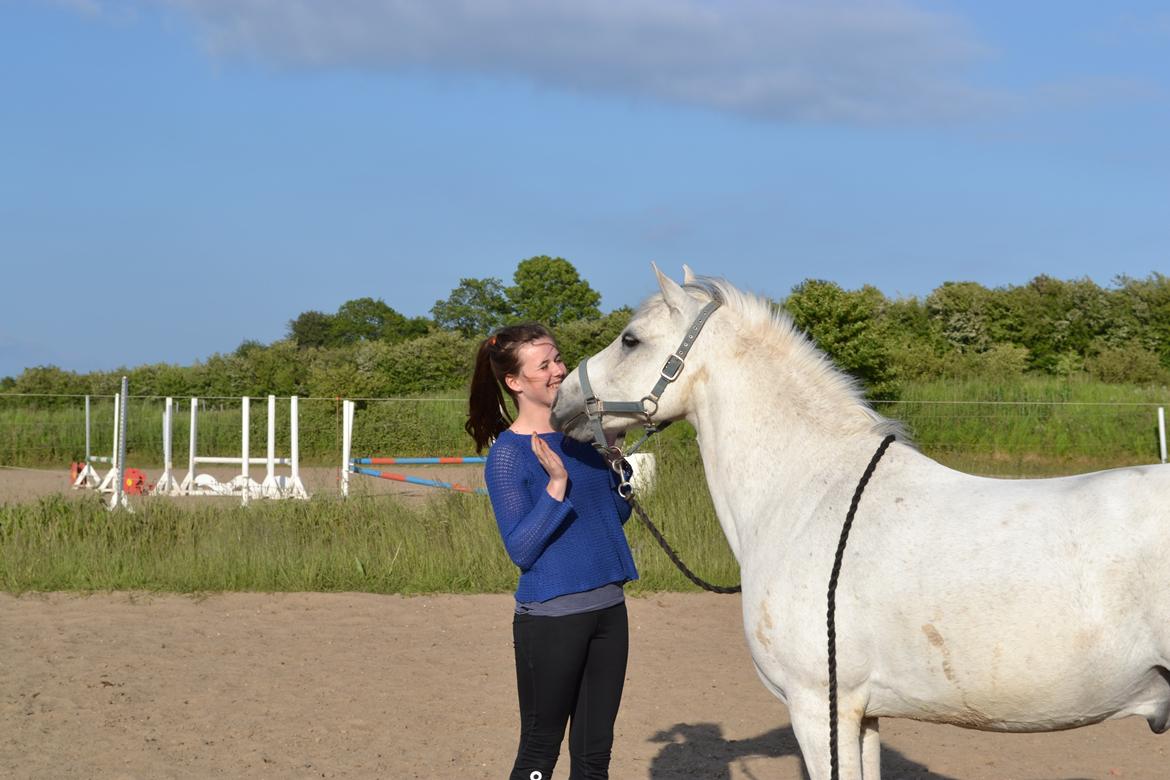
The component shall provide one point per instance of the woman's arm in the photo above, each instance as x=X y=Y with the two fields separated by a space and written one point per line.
x=525 y=526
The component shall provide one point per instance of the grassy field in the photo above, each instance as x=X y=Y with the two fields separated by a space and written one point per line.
x=375 y=544
x=379 y=544
x=1034 y=426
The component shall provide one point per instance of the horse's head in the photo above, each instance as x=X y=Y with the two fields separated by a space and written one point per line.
x=639 y=378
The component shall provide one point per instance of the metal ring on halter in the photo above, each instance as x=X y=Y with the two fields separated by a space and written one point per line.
x=651 y=412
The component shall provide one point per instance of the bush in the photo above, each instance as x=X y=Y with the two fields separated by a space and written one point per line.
x=1129 y=363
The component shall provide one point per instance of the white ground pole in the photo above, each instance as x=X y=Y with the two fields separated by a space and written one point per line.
x=167 y=485
x=1162 y=432
x=88 y=478
x=107 y=484
x=346 y=444
x=119 y=497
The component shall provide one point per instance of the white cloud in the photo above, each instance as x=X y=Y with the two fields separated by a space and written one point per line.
x=849 y=61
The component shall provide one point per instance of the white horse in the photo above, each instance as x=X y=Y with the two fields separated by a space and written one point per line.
x=1002 y=605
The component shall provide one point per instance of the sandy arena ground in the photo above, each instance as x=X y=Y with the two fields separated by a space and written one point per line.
x=355 y=685
x=20 y=484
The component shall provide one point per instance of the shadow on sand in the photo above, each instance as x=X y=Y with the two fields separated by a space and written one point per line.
x=700 y=751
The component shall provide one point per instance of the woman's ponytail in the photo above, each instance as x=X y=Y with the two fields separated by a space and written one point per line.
x=497 y=357
x=486 y=412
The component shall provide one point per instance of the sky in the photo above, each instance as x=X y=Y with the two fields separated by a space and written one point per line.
x=178 y=176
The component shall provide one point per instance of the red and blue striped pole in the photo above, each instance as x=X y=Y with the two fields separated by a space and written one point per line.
x=417 y=480
x=415 y=461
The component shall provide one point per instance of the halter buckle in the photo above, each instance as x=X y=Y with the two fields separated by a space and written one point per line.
x=679 y=364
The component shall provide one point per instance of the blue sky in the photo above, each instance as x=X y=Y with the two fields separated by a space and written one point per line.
x=178 y=176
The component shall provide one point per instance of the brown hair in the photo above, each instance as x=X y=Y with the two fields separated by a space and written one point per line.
x=497 y=357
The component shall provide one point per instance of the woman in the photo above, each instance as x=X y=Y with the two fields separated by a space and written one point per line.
x=561 y=519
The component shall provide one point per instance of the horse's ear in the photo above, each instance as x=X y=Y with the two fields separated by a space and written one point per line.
x=672 y=293
x=688 y=274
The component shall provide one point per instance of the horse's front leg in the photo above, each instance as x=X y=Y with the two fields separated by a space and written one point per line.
x=810 y=723
x=871 y=750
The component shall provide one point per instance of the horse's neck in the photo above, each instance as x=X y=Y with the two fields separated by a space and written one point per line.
x=766 y=457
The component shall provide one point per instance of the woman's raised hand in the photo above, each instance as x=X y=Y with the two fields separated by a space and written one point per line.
x=558 y=478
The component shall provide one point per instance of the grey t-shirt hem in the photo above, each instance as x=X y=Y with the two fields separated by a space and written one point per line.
x=574 y=603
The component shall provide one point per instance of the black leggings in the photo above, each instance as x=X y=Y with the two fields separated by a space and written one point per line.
x=574 y=665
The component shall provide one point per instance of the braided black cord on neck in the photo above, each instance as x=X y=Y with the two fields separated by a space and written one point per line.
x=834 y=770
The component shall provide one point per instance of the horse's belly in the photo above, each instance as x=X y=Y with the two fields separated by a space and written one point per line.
x=1023 y=702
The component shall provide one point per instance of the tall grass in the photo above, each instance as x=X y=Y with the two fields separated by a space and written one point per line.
x=381 y=546
x=1031 y=426
x=378 y=545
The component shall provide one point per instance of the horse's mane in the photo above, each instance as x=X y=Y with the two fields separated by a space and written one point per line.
x=827 y=387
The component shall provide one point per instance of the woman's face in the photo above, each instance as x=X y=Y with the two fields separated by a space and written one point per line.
x=541 y=372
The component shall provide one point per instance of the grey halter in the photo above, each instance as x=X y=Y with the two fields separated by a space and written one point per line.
x=647 y=407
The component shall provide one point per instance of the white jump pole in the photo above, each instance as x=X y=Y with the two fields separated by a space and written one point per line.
x=107 y=484
x=188 y=485
x=87 y=452
x=119 y=497
x=297 y=488
x=1162 y=432
x=88 y=477
x=273 y=486
x=167 y=484
x=270 y=476
x=346 y=443
x=245 y=405
x=270 y=487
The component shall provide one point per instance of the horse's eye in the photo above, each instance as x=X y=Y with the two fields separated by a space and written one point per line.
x=630 y=340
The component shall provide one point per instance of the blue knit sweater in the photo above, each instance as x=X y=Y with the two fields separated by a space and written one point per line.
x=560 y=546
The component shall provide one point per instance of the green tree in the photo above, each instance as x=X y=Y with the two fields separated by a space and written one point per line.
x=1058 y=321
x=311 y=329
x=581 y=338
x=962 y=314
x=549 y=290
x=1141 y=313
x=369 y=319
x=474 y=308
x=846 y=325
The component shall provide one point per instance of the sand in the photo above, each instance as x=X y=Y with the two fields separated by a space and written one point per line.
x=355 y=685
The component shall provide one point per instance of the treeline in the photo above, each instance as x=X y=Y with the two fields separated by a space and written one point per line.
x=961 y=330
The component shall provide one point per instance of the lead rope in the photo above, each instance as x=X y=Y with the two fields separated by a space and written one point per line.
x=670 y=553
x=832 y=628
